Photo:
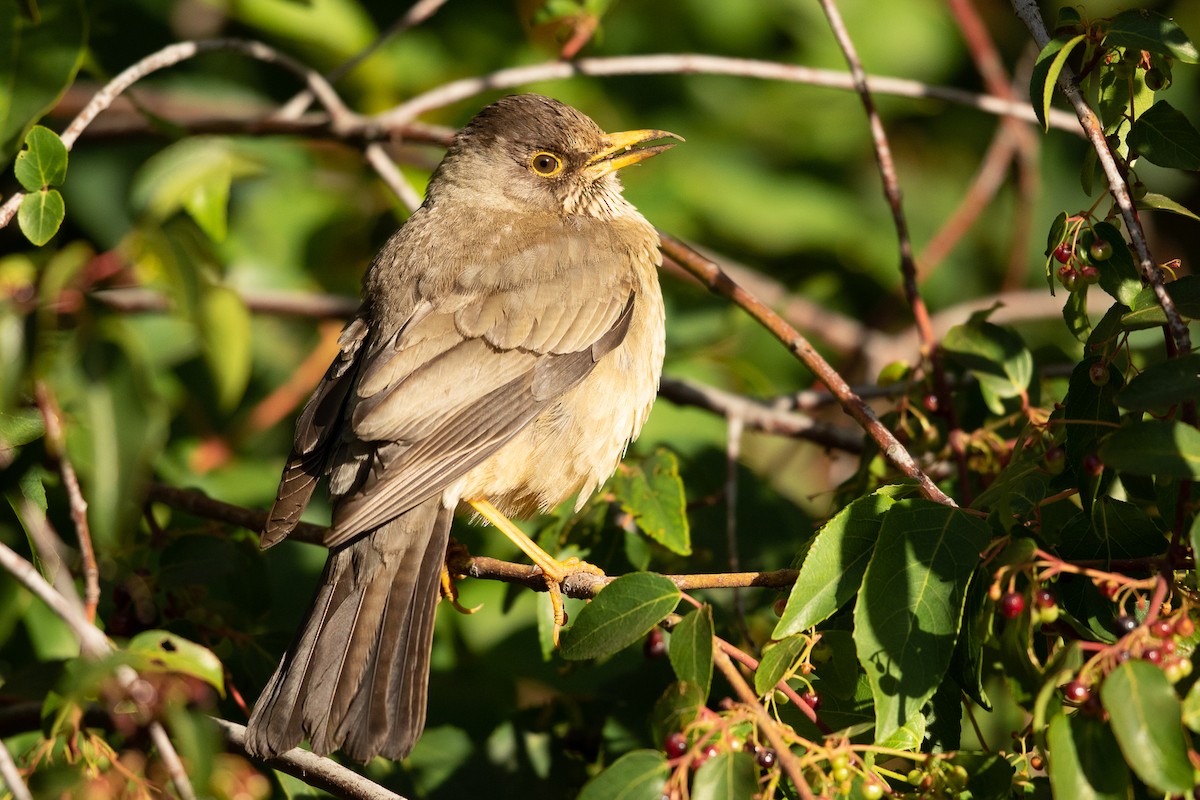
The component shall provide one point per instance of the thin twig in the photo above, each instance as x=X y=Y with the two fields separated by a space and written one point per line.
x=171 y=55
x=787 y=760
x=751 y=663
x=320 y=773
x=718 y=282
x=56 y=445
x=1031 y=15
x=698 y=63
x=733 y=448
x=12 y=776
x=378 y=158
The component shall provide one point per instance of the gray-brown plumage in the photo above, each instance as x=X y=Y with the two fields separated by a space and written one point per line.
x=508 y=348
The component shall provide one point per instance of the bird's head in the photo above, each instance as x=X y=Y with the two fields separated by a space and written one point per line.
x=529 y=153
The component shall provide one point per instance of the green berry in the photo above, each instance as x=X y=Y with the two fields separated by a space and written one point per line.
x=1101 y=250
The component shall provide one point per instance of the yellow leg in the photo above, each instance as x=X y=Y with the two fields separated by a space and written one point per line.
x=450 y=592
x=555 y=571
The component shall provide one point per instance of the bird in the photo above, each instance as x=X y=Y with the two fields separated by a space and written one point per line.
x=507 y=349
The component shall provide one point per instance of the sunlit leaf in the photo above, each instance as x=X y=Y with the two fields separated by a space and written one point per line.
x=1160 y=202
x=167 y=652
x=651 y=492
x=995 y=355
x=1085 y=762
x=725 y=776
x=639 y=775
x=1145 y=311
x=691 y=649
x=42 y=162
x=40 y=215
x=1143 y=29
x=833 y=567
x=1049 y=64
x=1164 y=136
x=621 y=614
x=1145 y=713
x=776 y=661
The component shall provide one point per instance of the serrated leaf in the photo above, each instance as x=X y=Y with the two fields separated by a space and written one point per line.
x=726 y=776
x=621 y=614
x=1160 y=202
x=225 y=337
x=1145 y=714
x=160 y=651
x=651 y=492
x=1164 y=136
x=1085 y=762
x=1162 y=385
x=910 y=608
x=776 y=661
x=42 y=162
x=40 y=215
x=1049 y=64
x=1154 y=447
x=1145 y=312
x=691 y=649
x=833 y=567
x=1118 y=274
x=640 y=775
x=1142 y=29
x=995 y=355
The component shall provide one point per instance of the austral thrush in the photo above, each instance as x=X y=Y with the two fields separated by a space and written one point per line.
x=507 y=349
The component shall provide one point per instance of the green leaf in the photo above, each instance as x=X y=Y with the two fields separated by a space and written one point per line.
x=1162 y=385
x=1118 y=274
x=995 y=355
x=40 y=215
x=1085 y=762
x=726 y=776
x=651 y=492
x=621 y=614
x=225 y=336
x=1142 y=29
x=640 y=775
x=1194 y=538
x=194 y=175
x=833 y=567
x=43 y=161
x=38 y=61
x=675 y=709
x=1120 y=530
x=1160 y=202
x=1164 y=136
x=20 y=428
x=777 y=660
x=966 y=665
x=1154 y=447
x=1145 y=714
x=1091 y=412
x=1045 y=73
x=691 y=649
x=908 y=613
x=1075 y=314
x=1145 y=312
x=1191 y=703
x=160 y=651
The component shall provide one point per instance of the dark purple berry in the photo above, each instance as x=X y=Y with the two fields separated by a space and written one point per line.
x=1125 y=623
x=766 y=758
x=655 y=646
x=1093 y=466
x=1153 y=654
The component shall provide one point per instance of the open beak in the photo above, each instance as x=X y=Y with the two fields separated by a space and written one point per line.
x=617 y=150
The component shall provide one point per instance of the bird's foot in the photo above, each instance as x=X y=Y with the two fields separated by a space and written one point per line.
x=454 y=551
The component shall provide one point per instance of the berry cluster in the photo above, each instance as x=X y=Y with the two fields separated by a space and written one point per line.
x=1044 y=610
x=1078 y=265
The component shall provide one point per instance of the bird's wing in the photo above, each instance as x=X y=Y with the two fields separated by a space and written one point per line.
x=464 y=375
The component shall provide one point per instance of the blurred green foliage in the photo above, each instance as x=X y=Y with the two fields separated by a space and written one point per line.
x=777 y=177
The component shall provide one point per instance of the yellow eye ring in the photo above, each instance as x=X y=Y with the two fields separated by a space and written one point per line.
x=545 y=164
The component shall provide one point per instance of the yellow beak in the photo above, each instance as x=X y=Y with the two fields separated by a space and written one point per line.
x=617 y=150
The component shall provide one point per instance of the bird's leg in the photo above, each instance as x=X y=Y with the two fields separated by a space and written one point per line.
x=449 y=587
x=554 y=570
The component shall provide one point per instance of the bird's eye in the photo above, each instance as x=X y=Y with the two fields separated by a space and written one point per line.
x=546 y=164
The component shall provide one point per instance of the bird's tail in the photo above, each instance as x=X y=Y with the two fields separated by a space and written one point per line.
x=355 y=677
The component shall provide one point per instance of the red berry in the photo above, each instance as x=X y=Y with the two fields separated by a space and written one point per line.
x=704 y=755
x=1184 y=627
x=655 y=646
x=1153 y=655
x=1012 y=604
x=1075 y=692
x=1163 y=628
x=1062 y=253
x=811 y=699
x=1093 y=466
x=675 y=745
x=1089 y=275
x=930 y=401
x=1045 y=598
x=1054 y=459
x=1098 y=373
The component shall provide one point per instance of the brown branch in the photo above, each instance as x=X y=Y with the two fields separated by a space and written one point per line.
x=56 y=445
x=1031 y=15
x=287 y=304
x=751 y=663
x=759 y=415
x=320 y=773
x=769 y=727
x=719 y=283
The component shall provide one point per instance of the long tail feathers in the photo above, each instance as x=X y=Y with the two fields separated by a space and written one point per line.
x=356 y=676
